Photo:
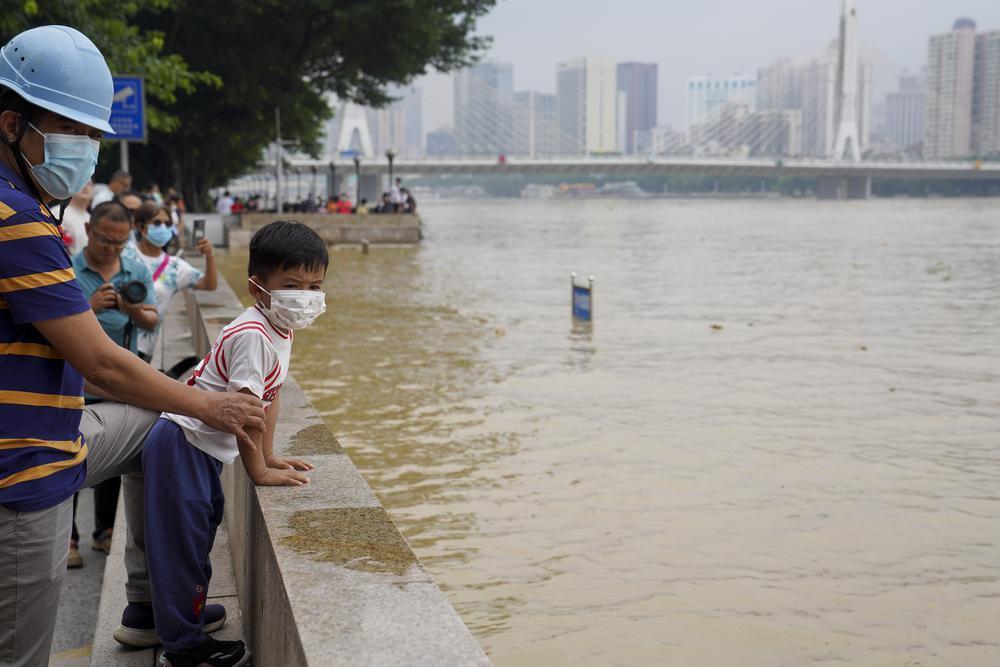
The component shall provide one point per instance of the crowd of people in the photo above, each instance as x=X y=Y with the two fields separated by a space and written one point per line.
x=117 y=237
x=84 y=289
x=397 y=200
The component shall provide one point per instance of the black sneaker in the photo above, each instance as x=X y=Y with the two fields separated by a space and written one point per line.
x=139 y=631
x=210 y=652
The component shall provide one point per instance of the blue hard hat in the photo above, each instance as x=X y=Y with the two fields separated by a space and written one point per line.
x=59 y=69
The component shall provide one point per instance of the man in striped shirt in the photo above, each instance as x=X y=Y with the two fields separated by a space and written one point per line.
x=55 y=100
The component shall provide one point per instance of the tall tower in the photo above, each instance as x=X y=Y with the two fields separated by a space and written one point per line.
x=846 y=107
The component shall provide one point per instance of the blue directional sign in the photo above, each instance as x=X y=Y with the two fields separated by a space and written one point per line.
x=583 y=299
x=128 y=109
x=581 y=302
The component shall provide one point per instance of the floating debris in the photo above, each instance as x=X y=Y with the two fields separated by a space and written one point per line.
x=716 y=327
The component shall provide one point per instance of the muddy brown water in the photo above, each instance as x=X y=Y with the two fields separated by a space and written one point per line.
x=778 y=444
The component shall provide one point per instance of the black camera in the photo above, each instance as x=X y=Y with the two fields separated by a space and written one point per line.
x=132 y=292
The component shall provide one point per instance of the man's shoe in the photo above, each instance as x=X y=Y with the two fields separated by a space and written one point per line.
x=139 y=631
x=74 y=561
x=102 y=542
x=210 y=652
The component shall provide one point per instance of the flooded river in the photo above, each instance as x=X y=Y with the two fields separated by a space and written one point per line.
x=778 y=444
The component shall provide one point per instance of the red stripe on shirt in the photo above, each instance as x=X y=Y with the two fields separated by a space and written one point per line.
x=223 y=367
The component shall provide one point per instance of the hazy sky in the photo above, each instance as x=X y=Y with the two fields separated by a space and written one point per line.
x=688 y=37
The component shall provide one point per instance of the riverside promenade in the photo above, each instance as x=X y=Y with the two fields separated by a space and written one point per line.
x=315 y=575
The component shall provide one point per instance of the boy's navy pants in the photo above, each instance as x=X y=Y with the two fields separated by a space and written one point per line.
x=184 y=506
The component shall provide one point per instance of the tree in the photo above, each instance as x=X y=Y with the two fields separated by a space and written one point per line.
x=126 y=47
x=217 y=69
x=291 y=54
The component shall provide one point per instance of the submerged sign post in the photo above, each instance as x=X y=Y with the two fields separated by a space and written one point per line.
x=583 y=298
x=128 y=113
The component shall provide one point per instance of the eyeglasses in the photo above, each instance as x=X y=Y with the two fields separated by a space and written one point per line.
x=103 y=240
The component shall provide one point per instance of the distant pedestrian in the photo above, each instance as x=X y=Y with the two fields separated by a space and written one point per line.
x=120 y=182
x=396 y=195
x=75 y=218
x=343 y=204
x=409 y=203
x=224 y=204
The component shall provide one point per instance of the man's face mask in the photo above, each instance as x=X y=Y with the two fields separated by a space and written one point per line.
x=69 y=163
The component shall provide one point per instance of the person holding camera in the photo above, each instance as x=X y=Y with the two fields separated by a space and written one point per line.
x=120 y=291
x=119 y=288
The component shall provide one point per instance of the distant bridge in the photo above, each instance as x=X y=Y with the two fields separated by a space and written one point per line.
x=835 y=179
x=758 y=167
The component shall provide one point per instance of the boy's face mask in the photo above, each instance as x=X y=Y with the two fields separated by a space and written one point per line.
x=293 y=308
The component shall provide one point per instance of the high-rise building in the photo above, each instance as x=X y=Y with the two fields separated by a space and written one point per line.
x=398 y=125
x=441 y=142
x=736 y=131
x=536 y=126
x=949 y=85
x=810 y=88
x=707 y=95
x=484 y=108
x=639 y=83
x=904 y=114
x=986 y=95
x=587 y=94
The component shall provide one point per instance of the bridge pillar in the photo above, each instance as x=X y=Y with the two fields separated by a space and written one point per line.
x=843 y=187
x=859 y=187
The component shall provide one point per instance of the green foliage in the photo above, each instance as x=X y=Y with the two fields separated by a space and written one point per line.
x=289 y=55
x=217 y=69
x=127 y=48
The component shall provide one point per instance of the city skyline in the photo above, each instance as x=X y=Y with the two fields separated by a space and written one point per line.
x=893 y=37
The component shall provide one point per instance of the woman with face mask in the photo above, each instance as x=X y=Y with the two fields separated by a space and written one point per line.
x=171 y=274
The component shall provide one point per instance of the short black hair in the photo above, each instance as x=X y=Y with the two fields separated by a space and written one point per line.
x=286 y=244
x=110 y=210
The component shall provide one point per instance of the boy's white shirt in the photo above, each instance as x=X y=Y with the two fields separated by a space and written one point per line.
x=250 y=353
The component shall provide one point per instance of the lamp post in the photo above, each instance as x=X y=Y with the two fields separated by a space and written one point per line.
x=390 y=155
x=331 y=184
x=357 y=180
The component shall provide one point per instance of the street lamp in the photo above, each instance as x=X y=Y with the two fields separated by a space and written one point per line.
x=357 y=180
x=331 y=184
x=390 y=155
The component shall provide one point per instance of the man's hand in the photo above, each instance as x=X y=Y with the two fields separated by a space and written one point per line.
x=104 y=298
x=205 y=247
x=233 y=413
x=281 y=463
x=273 y=477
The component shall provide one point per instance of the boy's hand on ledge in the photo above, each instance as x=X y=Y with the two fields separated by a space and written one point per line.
x=275 y=477
x=281 y=463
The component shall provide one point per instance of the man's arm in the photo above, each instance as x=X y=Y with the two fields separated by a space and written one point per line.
x=80 y=340
x=253 y=459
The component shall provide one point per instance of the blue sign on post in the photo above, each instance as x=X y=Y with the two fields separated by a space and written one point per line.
x=128 y=109
x=583 y=299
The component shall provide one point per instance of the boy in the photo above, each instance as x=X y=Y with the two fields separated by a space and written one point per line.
x=183 y=457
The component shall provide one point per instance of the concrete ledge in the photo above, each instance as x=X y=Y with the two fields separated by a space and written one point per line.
x=336 y=229
x=324 y=577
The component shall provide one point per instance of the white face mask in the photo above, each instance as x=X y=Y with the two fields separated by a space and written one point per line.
x=294 y=308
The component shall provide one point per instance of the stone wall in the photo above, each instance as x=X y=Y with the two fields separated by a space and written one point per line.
x=336 y=229
x=323 y=575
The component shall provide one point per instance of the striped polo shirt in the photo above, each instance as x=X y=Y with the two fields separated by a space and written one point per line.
x=42 y=454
